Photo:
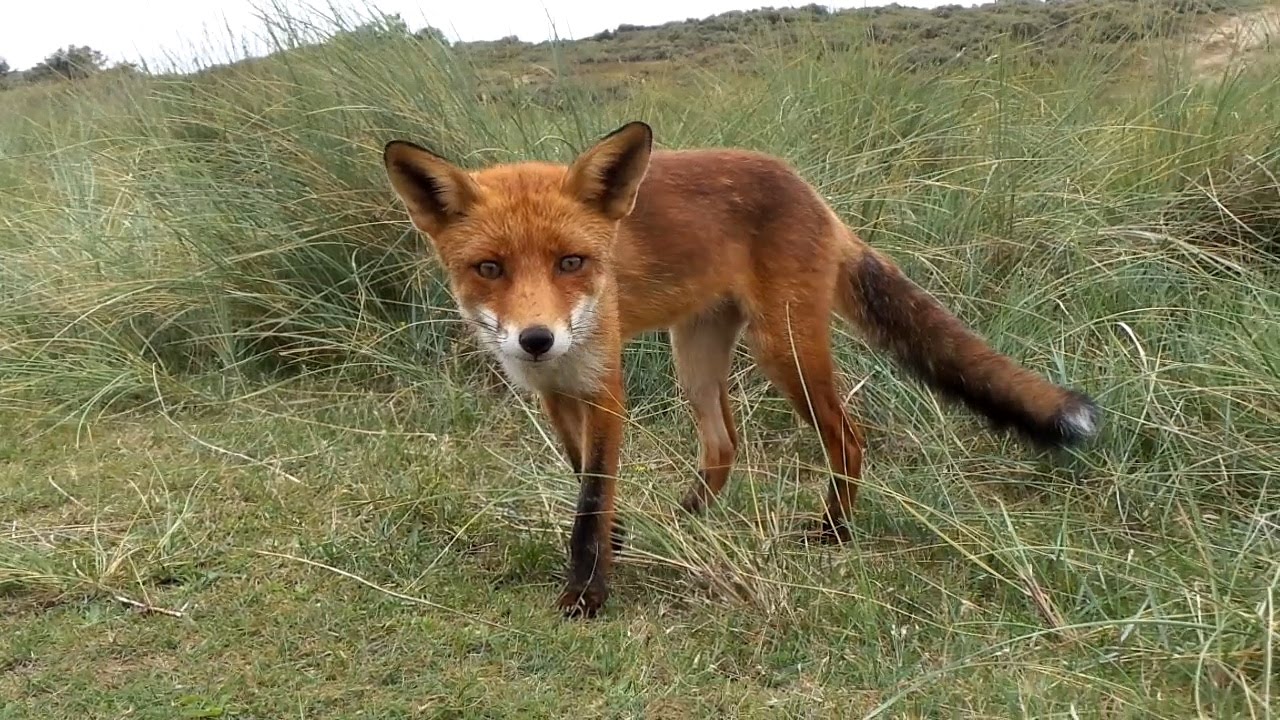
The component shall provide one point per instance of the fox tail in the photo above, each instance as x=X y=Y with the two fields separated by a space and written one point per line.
x=900 y=318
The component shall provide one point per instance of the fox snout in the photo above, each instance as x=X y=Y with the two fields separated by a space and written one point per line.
x=530 y=342
x=533 y=337
x=536 y=340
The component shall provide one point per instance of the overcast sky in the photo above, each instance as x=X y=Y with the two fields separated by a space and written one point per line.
x=154 y=31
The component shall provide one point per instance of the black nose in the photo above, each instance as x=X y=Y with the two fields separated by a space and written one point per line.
x=537 y=339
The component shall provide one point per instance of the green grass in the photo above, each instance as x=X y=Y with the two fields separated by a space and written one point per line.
x=254 y=468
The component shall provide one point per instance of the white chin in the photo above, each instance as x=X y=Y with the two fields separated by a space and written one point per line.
x=520 y=356
x=573 y=371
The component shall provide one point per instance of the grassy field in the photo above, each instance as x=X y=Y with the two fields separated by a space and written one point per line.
x=253 y=467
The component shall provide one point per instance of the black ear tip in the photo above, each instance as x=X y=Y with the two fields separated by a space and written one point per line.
x=635 y=126
x=645 y=128
x=402 y=146
x=392 y=146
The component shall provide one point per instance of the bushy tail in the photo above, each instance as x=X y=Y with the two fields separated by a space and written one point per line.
x=899 y=317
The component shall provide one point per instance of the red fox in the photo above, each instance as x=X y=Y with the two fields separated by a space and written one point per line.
x=557 y=267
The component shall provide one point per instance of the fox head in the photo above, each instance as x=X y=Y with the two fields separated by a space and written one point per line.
x=527 y=247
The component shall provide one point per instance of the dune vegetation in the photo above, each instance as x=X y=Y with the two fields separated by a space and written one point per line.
x=255 y=467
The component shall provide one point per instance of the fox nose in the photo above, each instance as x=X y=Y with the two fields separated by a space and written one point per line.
x=537 y=340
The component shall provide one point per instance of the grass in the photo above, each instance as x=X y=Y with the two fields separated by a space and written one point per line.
x=254 y=468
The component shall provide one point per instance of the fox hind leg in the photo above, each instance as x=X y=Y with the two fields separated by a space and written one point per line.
x=795 y=354
x=703 y=352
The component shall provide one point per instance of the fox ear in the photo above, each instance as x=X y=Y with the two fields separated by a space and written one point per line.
x=608 y=175
x=434 y=191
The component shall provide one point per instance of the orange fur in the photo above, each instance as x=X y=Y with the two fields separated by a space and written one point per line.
x=558 y=267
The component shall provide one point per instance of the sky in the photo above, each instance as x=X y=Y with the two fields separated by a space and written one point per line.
x=166 y=34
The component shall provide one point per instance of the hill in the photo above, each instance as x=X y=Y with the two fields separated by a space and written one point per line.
x=1051 y=30
x=925 y=37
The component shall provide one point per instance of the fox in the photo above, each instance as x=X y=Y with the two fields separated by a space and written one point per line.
x=557 y=266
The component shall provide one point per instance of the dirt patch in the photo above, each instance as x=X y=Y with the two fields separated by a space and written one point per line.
x=1237 y=40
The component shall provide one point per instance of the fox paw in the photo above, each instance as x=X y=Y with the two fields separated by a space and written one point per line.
x=582 y=602
x=693 y=503
x=824 y=533
x=618 y=537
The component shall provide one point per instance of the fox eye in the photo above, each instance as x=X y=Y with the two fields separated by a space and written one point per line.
x=489 y=270
x=571 y=263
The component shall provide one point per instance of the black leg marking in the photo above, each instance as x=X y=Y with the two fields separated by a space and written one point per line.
x=587 y=587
